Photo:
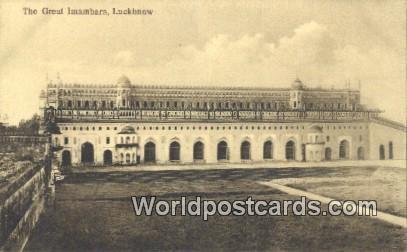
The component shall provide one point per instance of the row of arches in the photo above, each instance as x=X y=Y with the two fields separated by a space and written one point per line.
x=222 y=152
x=87 y=156
x=382 y=151
x=245 y=151
x=344 y=151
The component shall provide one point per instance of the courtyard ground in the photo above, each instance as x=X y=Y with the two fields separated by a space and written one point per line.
x=93 y=211
x=385 y=185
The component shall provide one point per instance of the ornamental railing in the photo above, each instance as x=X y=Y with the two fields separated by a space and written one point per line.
x=213 y=115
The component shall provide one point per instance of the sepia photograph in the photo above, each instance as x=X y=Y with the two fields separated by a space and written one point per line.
x=220 y=125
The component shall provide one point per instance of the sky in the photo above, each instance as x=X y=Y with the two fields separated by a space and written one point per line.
x=212 y=43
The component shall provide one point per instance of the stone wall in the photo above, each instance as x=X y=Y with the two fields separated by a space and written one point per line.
x=23 y=188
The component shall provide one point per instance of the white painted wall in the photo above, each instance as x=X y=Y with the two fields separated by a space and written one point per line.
x=380 y=134
x=359 y=134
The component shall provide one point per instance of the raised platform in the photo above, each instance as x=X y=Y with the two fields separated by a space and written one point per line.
x=169 y=167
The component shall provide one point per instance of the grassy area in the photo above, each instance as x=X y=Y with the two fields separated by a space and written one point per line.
x=385 y=185
x=93 y=212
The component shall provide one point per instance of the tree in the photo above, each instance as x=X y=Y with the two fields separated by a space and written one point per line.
x=31 y=126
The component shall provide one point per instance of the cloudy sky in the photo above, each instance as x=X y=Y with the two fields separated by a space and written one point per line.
x=229 y=43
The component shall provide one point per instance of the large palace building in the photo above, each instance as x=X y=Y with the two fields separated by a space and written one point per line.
x=135 y=124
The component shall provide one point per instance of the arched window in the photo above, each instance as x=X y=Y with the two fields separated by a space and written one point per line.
x=268 y=150
x=127 y=140
x=149 y=152
x=128 y=160
x=361 y=153
x=245 y=150
x=198 y=151
x=222 y=152
x=382 y=155
x=107 y=157
x=344 y=149
x=328 y=153
x=290 y=150
x=175 y=151
x=390 y=150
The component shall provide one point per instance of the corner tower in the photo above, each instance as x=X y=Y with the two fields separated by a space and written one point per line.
x=123 y=92
x=296 y=95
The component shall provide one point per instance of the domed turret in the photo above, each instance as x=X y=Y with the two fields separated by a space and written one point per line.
x=127 y=130
x=123 y=82
x=314 y=148
x=297 y=84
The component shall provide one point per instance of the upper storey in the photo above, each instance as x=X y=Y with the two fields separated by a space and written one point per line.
x=125 y=95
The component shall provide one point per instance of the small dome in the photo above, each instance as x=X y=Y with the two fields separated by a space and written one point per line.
x=123 y=82
x=315 y=129
x=127 y=130
x=297 y=84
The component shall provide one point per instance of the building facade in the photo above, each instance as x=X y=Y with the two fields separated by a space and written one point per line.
x=134 y=124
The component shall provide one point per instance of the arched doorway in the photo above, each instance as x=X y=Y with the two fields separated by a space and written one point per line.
x=87 y=153
x=390 y=150
x=290 y=150
x=198 y=151
x=382 y=155
x=66 y=158
x=268 y=150
x=128 y=158
x=344 y=149
x=328 y=153
x=245 y=150
x=361 y=153
x=175 y=151
x=149 y=152
x=107 y=157
x=222 y=152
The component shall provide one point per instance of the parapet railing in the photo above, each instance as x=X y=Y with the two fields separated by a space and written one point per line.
x=211 y=115
x=11 y=138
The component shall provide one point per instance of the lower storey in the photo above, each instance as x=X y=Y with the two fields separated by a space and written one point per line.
x=163 y=143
